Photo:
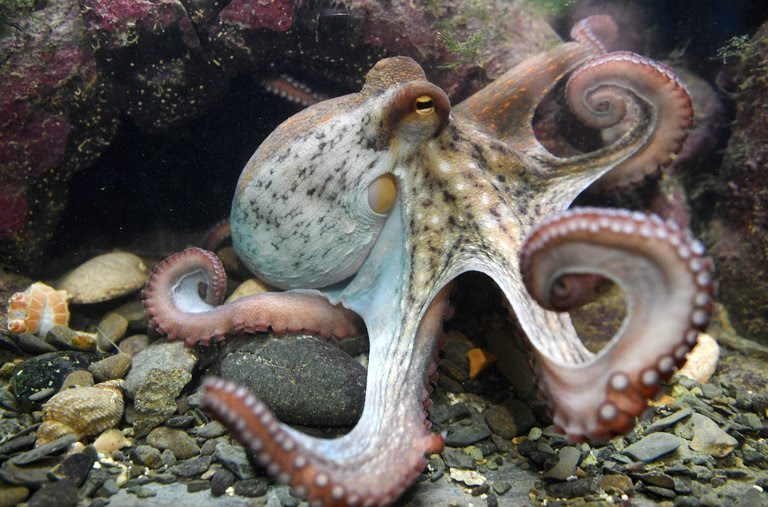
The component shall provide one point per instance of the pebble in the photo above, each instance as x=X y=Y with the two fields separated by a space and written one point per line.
x=198 y=485
x=575 y=488
x=134 y=344
x=62 y=337
x=34 y=345
x=468 y=477
x=211 y=430
x=221 y=480
x=134 y=313
x=285 y=498
x=709 y=438
x=235 y=459
x=146 y=455
x=252 y=487
x=653 y=446
x=111 y=329
x=669 y=420
x=110 y=441
x=177 y=441
x=59 y=493
x=111 y=368
x=157 y=376
x=462 y=435
x=12 y=495
x=457 y=458
x=510 y=419
x=304 y=380
x=567 y=460
x=701 y=361
x=44 y=451
x=616 y=482
x=191 y=467
x=77 y=466
x=78 y=378
x=46 y=371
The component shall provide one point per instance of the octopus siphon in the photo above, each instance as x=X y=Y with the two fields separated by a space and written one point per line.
x=366 y=207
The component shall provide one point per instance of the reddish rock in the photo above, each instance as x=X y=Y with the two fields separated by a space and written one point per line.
x=738 y=232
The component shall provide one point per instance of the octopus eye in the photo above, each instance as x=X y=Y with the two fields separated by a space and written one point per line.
x=382 y=193
x=424 y=105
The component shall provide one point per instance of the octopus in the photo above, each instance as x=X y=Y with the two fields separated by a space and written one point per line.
x=366 y=207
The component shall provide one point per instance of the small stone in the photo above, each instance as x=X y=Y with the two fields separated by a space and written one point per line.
x=235 y=459
x=109 y=488
x=501 y=487
x=709 y=438
x=285 y=498
x=701 y=361
x=534 y=434
x=461 y=435
x=13 y=495
x=467 y=477
x=669 y=420
x=252 y=487
x=198 y=485
x=750 y=420
x=134 y=313
x=111 y=368
x=572 y=489
x=134 y=344
x=191 y=467
x=457 y=458
x=659 y=479
x=78 y=378
x=60 y=493
x=181 y=421
x=222 y=480
x=653 y=446
x=110 y=441
x=212 y=430
x=141 y=491
x=62 y=337
x=660 y=492
x=111 y=329
x=34 y=345
x=567 y=460
x=616 y=482
x=168 y=457
x=179 y=442
x=146 y=455
x=45 y=450
x=76 y=467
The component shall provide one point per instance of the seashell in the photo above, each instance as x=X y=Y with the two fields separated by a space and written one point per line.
x=37 y=310
x=84 y=411
x=105 y=277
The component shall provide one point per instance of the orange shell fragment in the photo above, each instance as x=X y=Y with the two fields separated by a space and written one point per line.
x=37 y=310
x=479 y=359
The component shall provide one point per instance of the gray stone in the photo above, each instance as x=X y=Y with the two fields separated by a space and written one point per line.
x=147 y=455
x=60 y=493
x=157 y=376
x=177 y=441
x=45 y=450
x=221 y=481
x=111 y=368
x=653 y=446
x=669 y=420
x=709 y=438
x=457 y=458
x=510 y=419
x=461 y=434
x=567 y=460
x=191 y=467
x=212 y=430
x=252 y=487
x=235 y=459
x=304 y=380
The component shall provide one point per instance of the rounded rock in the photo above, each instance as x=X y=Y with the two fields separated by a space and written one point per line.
x=105 y=277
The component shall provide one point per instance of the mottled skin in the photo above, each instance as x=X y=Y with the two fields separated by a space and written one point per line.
x=472 y=185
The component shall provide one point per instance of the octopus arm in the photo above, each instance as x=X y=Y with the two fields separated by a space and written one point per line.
x=379 y=458
x=668 y=286
x=504 y=109
x=173 y=302
x=643 y=109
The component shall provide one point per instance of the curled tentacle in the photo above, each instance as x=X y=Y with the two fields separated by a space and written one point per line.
x=668 y=285
x=377 y=460
x=183 y=292
x=622 y=89
x=598 y=32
